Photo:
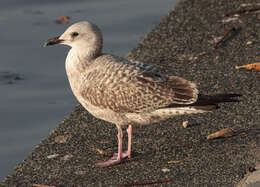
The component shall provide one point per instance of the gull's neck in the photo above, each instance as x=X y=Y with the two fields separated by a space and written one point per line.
x=80 y=58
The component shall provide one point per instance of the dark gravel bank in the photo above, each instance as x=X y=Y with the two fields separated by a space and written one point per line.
x=168 y=154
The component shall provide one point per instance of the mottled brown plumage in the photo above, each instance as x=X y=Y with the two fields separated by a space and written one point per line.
x=126 y=87
x=122 y=91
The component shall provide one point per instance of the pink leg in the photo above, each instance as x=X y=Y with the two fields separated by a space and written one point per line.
x=117 y=157
x=128 y=152
x=129 y=132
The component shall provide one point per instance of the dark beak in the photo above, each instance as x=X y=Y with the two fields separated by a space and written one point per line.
x=53 y=41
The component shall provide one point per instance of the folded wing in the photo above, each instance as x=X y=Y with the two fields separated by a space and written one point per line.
x=133 y=87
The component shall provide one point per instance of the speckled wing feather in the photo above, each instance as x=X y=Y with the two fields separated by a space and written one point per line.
x=132 y=87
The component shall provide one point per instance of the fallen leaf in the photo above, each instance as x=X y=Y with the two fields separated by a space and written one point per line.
x=62 y=139
x=222 y=133
x=63 y=19
x=185 y=124
x=41 y=185
x=254 y=66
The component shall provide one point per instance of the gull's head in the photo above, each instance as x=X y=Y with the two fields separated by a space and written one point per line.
x=80 y=35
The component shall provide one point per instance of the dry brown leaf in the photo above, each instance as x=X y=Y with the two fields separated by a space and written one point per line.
x=41 y=185
x=222 y=133
x=254 y=66
x=63 y=19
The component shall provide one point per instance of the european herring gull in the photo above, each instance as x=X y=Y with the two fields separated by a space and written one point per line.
x=123 y=91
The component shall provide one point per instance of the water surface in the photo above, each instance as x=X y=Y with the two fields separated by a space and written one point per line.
x=35 y=94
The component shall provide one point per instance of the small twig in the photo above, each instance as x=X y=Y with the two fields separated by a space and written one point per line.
x=146 y=183
x=242 y=11
x=224 y=38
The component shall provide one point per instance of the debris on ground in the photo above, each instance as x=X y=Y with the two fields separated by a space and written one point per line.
x=222 y=133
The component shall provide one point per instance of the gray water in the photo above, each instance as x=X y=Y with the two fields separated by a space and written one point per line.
x=34 y=91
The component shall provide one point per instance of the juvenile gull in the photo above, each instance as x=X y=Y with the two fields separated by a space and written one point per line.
x=123 y=91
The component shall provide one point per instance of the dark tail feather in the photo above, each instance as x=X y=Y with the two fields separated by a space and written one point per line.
x=216 y=98
x=209 y=102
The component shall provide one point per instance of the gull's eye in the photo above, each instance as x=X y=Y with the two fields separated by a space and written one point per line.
x=74 y=34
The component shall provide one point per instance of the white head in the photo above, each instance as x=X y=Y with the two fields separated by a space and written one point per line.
x=81 y=36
